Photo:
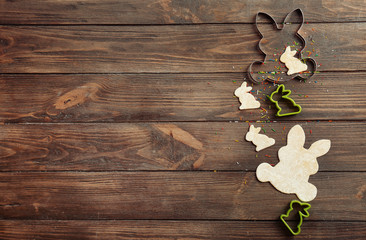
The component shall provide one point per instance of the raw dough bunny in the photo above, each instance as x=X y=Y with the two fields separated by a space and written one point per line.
x=293 y=64
x=246 y=99
x=296 y=164
x=260 y=140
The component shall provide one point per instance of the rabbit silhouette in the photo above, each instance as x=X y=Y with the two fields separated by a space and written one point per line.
x=296 y=164
x=260 y=140
x=246 y=99
x=293 y=64
x=273 y=43
x=282 y=95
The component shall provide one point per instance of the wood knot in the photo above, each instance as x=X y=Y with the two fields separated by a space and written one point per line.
x=77 y=96
x=360 y=194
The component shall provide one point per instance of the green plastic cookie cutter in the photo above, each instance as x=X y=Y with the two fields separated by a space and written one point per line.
x=285 y=95
x=301 y=215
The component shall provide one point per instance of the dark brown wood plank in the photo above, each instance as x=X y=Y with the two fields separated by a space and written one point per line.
x=171 y=11
x=155 y=229
x=170 y=97
x=162 y=49
x=168 y=146
x=171 y=195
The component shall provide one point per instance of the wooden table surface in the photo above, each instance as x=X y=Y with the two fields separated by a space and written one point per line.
x=119 y=121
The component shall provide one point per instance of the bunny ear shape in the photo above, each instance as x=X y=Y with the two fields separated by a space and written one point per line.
x=261 y=20
x=257 y=130
x=294 y=20
x=245 y=86
x=320 y=147
x=281 y=89
x=296 y=136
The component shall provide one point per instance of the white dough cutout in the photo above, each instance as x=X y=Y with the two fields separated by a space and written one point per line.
x=246 y=99
x=291 y=174
x=260 y=140
x=293 y=64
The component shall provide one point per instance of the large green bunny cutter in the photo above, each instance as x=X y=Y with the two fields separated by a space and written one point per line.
x=301 y=215
x=285 y=95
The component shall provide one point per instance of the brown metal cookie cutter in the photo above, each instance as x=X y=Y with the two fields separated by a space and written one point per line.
x=271 y=69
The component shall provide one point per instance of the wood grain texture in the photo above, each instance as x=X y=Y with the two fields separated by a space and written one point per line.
x=162 y=49
x=118 y=121
x=168 y=146
x=172 y=11
x=155 y=229
x=169 y=195
x=170 y=97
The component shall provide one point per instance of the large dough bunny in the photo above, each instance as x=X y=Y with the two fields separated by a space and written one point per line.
x=296 y=164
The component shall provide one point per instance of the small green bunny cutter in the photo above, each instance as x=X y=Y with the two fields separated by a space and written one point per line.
x=286 y=96
x=300 y=213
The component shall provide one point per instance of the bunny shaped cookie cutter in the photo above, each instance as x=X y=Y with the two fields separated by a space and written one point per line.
x=272 y=69
x=287 y=93
x=302 y=215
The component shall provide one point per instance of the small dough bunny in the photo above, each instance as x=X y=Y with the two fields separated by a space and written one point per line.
x=246 y=99
x=260 y=140
x=293 y=64
x=296 y=164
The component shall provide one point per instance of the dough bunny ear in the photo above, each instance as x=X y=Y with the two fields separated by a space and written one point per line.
x=257 y=130
x=320 y=147
x=296 y=137
x=294 y=20
x=238 y=91
x=290 y=52
x=248 y=89
x=245 y=86
x=264 y=29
